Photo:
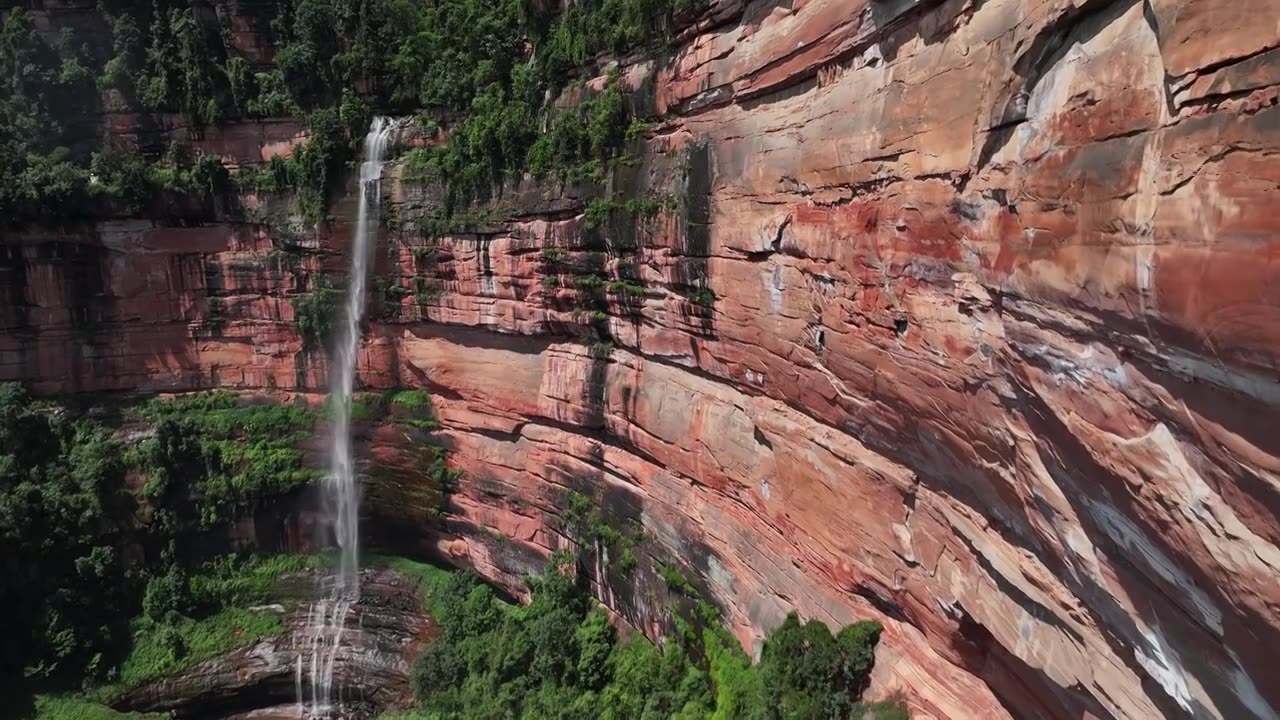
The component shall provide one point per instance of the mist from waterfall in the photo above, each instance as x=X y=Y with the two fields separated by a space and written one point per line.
x=328 y=617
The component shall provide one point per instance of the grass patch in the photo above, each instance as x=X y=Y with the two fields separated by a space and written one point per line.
x=232 y=582
x=405 y=715
x=315 y=315
x=411 y=399
x=220 y=595
x=65 y=707
x=433 y=580
x=411 y=407
x=161 y=649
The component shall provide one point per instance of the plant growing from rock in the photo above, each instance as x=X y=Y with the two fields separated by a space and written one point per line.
x=313 y=316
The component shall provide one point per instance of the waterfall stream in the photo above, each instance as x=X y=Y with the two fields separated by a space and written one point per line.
x=342 y=488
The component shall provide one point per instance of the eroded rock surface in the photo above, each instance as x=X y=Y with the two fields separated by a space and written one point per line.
x=383 y=633
x=990 y=355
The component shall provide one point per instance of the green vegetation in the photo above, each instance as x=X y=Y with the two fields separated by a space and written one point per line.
x=113 y=577
x=585 y=29
x=623 y=287
x=47 y=89
x=433 y=581
x=89 y=553
x=560 y=658
x=204 y=615
x=488 y=67
x=313 y=169
x=676 y=580
x=702 y=295
x=393 y=293
x=407 y=408
x=423 y=417
x=579 y=142
x=314 y=314
x=59 y=494
x=124 y=177
x=605 y=276
x=414 y=401
x=183 y=70
x=180 y=63
x=212 y=458
x=585 y=521
x=215 y=619
x=41 y=89
x=66 y=707
x=424 y=290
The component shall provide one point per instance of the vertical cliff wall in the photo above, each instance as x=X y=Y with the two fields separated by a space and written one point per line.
x=960 y=315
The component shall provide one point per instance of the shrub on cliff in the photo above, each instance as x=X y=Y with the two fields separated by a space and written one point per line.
x=184 y=68
x=314 y=315
x=491 y=68
x=592 y=132
x=314 y=167
x=212 y=458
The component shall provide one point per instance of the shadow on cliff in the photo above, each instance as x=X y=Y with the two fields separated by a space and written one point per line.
x=1168 y=630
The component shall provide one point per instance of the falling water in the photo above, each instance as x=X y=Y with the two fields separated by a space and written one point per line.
x=342 y=489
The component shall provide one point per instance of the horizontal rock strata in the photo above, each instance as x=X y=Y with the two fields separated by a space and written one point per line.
x=963 y=316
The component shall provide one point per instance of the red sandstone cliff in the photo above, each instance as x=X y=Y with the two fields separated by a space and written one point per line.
x=993 y=354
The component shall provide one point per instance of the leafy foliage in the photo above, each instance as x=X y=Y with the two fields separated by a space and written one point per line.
x=579 y=141
x=40 y=90
x=185 y=69
x=807 y=673
x=212 y=458
x=110 y=583
x=560 y=658
x=570 y=39
x=215 y=619
x=62 y=707
x=313 y=169
x=487 y=67
x=124 y=176
x=66 y=520
x=59 y=482
x=589 y=526
x=315 y=315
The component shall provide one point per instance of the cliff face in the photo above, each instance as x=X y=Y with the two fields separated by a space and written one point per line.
x=963 y=316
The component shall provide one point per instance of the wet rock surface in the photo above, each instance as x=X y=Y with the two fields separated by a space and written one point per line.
x=384 y=631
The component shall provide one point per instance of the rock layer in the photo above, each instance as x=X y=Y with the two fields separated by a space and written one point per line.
x=383 y=633
x=990 y=350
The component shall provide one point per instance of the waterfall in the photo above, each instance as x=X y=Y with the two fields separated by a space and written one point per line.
x=328 y=617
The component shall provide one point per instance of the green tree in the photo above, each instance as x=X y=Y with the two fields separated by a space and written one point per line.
x=58 y=484
x=595 y=640
x=808 y=673
x=558 y=658
x=39 y=91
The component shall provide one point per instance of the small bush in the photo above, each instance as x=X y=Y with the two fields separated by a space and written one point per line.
x=315 y=315
x=167 y=595
x=415 y=401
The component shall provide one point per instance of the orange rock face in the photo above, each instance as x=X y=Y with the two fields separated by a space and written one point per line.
x=990 y=351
